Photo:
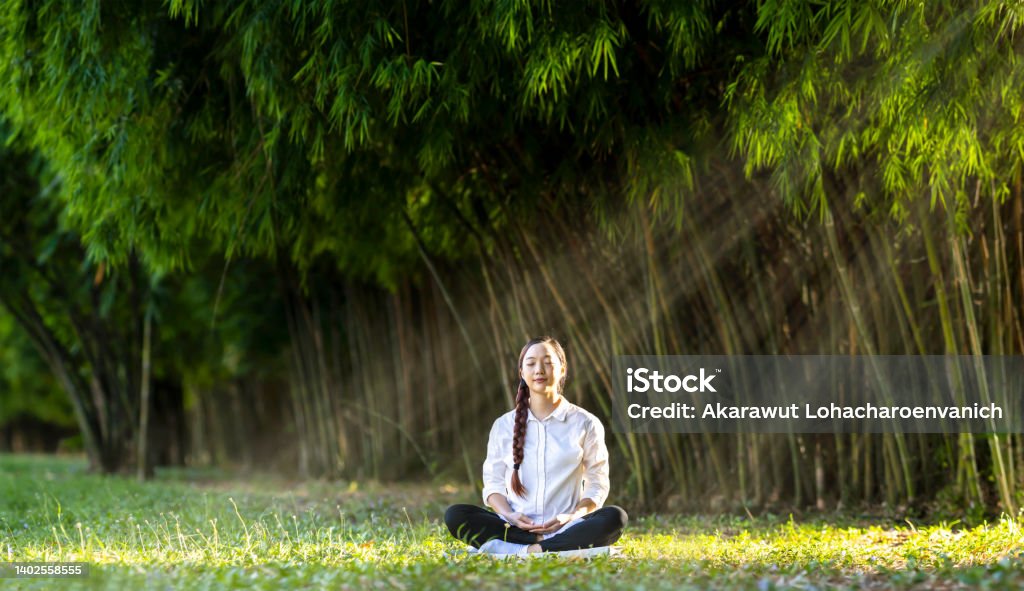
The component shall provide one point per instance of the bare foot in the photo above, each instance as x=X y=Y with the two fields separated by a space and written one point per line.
x=534 y=548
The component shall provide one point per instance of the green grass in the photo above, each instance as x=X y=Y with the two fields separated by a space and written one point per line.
x=202 y=530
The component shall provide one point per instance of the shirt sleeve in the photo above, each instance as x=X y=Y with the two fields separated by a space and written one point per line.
x=494 y=466
x=595 y=463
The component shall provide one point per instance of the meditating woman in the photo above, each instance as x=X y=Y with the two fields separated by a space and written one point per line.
x=546 y=472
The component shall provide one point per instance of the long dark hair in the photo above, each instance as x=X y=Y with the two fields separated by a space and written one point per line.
x=523 y=405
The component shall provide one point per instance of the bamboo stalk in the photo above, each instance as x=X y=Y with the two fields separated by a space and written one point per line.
x=963 y=280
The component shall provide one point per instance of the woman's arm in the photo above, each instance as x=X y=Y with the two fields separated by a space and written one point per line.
x=494 y=469
x=501 y=506
x=595 y=464
x=499 y=503
x=583 y=507
x=494 y=473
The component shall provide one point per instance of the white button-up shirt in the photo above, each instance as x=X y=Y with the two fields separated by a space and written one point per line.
x=564 y=460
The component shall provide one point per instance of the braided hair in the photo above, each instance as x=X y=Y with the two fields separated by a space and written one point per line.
x=523 y=405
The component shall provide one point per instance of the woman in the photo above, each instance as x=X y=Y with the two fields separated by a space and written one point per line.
x=546 y=472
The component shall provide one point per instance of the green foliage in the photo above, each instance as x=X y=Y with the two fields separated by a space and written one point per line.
x=220 y=323
x=27 y=388
x=354 y=140
x=904 y=100
x=301 y=128
x=78 y=338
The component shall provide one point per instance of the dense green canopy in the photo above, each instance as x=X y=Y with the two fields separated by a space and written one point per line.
x=271 y=119
x=310 y=127
x=268 y=145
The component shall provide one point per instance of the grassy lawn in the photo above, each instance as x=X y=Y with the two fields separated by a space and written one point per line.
x=195 y=529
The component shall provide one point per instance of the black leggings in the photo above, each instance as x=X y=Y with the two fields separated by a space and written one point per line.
x=476 y=525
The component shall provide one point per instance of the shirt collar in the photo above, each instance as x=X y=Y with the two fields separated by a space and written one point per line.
x=561 y=412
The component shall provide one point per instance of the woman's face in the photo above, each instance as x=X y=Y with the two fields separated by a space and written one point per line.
x=542 y=369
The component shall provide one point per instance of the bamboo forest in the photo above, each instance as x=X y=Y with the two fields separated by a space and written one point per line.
x=307 y=242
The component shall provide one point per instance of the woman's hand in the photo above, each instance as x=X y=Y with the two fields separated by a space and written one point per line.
x=555 y=523
x=521 y=521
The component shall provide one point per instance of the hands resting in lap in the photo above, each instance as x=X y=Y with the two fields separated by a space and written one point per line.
x=554 y=524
